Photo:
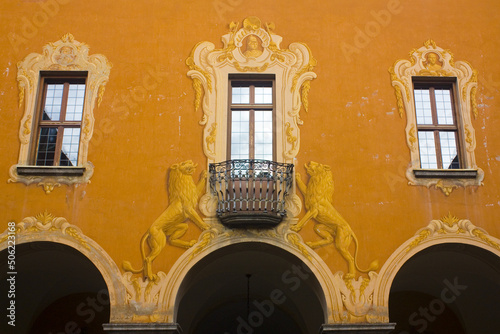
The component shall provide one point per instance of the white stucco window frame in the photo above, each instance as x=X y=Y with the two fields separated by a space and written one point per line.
x=402 y=77
x=210 y=69
x=64 y=56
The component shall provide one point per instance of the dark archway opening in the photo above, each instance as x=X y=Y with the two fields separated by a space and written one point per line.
x=57 y=290
x=447 y=289
x=280 y=296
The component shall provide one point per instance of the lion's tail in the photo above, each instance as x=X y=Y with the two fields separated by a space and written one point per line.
x=373 y=266
x=127 y=266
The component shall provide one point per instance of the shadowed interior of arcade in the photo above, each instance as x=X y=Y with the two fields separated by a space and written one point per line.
x=250 y=288
x=447 y=289
x=57 y=290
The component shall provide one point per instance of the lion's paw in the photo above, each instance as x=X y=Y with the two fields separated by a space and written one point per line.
x=295 y=228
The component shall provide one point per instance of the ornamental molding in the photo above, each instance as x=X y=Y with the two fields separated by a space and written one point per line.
x=45 y=221
x=449 y=226
x=348 y=299
x=65 y=55
x=448 y=229
x=355 y=298
x=431 y=60
x=49 y=183
x=157 y=300
x=251 y=48
x=45 y=227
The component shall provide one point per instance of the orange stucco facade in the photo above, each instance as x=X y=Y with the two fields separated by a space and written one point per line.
x=147 y=121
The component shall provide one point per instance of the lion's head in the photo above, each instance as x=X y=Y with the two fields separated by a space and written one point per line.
x=314 y=168
x=186 y=167
x=180 y=183
x=320 y=186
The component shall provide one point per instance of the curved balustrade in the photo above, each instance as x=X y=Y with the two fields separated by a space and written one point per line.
x=250 y=193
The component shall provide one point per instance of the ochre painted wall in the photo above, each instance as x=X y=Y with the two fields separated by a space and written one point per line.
x=352 y=124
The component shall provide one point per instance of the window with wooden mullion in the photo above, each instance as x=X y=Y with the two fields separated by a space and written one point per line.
x=251 y=129
x=437 y=126
x=59 y=122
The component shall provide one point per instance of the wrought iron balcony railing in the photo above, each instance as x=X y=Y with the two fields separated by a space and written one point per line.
x=250 y=193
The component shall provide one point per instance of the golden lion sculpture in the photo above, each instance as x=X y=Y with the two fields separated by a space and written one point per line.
x=331 y=226
x=171 y=226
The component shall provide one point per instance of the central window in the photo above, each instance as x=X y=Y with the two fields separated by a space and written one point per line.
x=251 y=118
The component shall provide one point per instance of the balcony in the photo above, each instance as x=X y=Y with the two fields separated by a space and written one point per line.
x=250 y=193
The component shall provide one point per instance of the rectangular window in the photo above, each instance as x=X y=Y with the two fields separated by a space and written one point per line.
x=251 y=118
x=59 y=121
x=437 y=125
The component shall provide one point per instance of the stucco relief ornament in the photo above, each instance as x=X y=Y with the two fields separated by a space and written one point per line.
x=171 y=225
x=251 y=47
x=252 y=50
x=450 y=226
x=46 y=222
x=431 y=60
x=64 y=58
x=354 y=295
x=66 y=54
x=330 y=226
x=433 y=66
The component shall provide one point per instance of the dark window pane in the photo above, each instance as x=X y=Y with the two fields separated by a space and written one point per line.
x=46 y=147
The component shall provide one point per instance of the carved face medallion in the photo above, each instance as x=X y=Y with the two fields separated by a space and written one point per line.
x=252 y=47
x=65 y=56
x=433 y=62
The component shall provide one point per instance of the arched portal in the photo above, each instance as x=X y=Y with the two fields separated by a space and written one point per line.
x=447 y=288
x=250 y=287
x=57 y=290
